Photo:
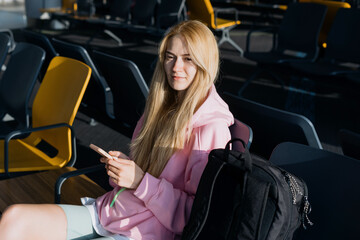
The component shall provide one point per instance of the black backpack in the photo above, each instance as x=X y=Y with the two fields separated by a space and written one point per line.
x=243 y=198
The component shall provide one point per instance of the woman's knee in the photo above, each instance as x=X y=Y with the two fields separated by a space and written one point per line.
x=11 y=214
x=10 y=224
x=37 y=221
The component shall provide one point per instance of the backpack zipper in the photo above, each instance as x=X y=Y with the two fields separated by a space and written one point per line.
x=306 y=208
x=295 y=190
x=294 y=186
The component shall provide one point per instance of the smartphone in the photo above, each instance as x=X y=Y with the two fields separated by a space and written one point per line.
x=101 y=151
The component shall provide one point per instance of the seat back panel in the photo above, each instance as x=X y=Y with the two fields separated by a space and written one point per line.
x=343 y=40
x=57 y=101
x=201 y=10
x=300 y=28
x=18 y=81
x=128 y=87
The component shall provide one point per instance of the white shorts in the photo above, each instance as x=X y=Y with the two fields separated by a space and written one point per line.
x=83 y=223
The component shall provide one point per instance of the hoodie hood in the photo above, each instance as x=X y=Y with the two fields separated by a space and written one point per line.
x=213 y=109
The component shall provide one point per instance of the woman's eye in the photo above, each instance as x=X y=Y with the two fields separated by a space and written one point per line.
x=169 y=57
x=188 y=59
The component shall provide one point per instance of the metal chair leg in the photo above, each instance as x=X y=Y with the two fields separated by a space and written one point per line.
x=225 y=37
x=257 y=72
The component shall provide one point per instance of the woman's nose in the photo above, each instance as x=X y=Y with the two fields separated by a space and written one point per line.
x=178 y=64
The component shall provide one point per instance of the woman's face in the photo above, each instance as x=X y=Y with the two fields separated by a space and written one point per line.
x=179 y=67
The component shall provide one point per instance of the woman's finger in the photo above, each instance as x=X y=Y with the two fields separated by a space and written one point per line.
x=118 y=154
x=120 y=161
x=103 y=160
x=114 y=169
x=111 y=173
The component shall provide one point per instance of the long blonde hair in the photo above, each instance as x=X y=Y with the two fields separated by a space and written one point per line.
x=166 y=117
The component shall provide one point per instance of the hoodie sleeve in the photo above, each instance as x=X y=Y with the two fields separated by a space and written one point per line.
x=170 y=205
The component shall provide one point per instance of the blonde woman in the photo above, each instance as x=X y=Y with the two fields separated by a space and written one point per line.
x=184 y=119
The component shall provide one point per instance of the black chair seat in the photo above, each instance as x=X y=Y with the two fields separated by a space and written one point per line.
x=333 y=185
x=271 y=57
x=354 y=77
x=323 y=67
x=350 y=143
x=271 y=126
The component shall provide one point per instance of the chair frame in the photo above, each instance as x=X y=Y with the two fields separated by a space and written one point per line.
x=65 y=153
x=121 y=63
x=339 y=56
x=284 y=51
x=12 y=39
x=42 y=41
x=138 y=13
x=213 y=21
x=14 y=134
x=133 y=68
x=5 y=42
x=332 y=8
x=180 y=14
x=20 y=109
x=84 y=56
x=242 y=109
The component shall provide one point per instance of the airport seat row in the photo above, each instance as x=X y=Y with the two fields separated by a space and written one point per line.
x=299 y=43
x=147 y=15
x=295 y=157
x=106 y=90
x=109 y=68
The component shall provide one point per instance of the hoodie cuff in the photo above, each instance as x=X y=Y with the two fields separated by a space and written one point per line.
x=147 y=187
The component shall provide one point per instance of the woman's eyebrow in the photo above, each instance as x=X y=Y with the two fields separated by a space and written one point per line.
x=185 y=55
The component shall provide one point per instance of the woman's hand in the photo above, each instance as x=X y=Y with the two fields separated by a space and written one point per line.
x=122 y=171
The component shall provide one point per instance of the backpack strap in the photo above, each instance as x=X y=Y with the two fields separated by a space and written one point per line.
x=202 y=200
x=245 y=156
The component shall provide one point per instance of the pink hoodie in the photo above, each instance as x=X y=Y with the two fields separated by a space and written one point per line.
x=160 y=207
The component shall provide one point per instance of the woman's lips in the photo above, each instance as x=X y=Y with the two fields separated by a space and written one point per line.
x=178 y=78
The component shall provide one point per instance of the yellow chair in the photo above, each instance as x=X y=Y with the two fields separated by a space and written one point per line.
x=332 y=8
x=50 y=143
x=68 y=5
x=203 y=11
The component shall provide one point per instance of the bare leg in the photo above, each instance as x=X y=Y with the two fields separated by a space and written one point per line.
x=33 y=221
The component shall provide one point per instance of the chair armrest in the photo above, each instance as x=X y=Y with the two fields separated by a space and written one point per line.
x=63 y=177
x=30 y=130
x=225 y=10
x=265 y=30
x=12 y=39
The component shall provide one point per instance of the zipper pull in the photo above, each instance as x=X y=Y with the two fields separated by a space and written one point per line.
x=294 y=186
x=306 y=211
